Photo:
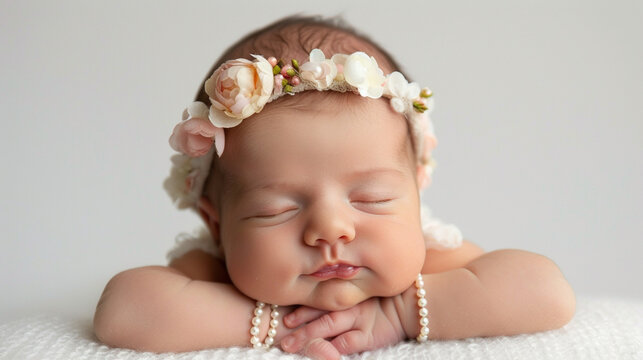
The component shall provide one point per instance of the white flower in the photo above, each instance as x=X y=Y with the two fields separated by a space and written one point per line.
x=401 y=92
x=238 y=89
x=362 y=72
x=196 y=109
x=319 y=70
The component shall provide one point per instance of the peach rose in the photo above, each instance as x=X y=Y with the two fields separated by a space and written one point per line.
x=238 y=89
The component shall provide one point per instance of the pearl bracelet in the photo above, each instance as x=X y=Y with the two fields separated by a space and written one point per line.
x=423 y=312
x=256 y=321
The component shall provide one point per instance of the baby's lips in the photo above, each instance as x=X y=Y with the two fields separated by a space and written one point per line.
x=341 y=270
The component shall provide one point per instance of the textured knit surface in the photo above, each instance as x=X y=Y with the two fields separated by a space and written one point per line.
x=601 y=329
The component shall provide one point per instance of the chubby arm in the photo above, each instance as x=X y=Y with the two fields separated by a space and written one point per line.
x=504 y=292
x=160 y=309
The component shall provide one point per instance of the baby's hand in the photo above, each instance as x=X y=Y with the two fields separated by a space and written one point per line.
x=369 y=325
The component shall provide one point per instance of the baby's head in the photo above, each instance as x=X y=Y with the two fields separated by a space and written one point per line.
x=314 y=198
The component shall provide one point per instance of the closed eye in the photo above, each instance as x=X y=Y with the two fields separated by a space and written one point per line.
x=376 y=201
x=373 y=204
x=273 y=215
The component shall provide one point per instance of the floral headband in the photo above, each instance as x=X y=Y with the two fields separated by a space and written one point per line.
x=240 y=88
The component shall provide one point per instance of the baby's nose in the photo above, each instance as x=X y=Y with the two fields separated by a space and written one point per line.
x=328 y=225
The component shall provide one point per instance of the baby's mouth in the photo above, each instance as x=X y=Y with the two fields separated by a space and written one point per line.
x=341 y=271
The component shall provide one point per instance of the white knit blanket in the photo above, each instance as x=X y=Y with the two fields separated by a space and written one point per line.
x=601 y=329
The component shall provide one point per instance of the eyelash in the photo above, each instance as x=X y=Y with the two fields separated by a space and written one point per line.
x=272 y=216
x=376 y=202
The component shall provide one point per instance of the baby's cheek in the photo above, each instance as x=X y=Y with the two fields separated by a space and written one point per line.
x=399 y=262
x=262 y=264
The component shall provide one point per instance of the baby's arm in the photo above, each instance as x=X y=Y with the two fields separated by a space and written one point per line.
x=160 y=309
x=504 y=292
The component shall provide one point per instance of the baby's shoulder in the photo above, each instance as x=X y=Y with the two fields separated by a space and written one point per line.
x=201 y=265
x=447 y=259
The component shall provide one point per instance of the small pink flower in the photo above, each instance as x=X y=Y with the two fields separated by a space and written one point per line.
x=194 y=135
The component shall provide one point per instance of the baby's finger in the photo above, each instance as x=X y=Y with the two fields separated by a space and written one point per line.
x=301 y=315
x=321 y=349
x=328 y=325
x=351 y=342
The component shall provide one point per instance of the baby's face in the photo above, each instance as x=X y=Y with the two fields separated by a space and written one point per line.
x=320 y=207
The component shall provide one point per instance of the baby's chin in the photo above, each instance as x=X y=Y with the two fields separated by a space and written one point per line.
x=337 y=295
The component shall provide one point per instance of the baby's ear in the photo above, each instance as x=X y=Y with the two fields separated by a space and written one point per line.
x=423 y=179
x=210 y=216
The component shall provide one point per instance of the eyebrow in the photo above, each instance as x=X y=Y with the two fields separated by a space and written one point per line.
x=289 y=186
x=375 y=171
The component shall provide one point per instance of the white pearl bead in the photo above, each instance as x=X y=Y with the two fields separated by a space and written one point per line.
x=256 y=321
x=274 y=323
x=260 y=304
x=421 y=302
x=424 y=312
x=257 y=346
x=269 y=341
x=422 y=338
x=421 y=293
x=424 y=330
x=254 y=340
x=273 y=307
x=258 y=312
x=424 y=321
x=272 y=332
x=274 y=314
x=254 y=330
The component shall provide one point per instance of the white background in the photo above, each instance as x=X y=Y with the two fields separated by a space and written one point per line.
x=538 y=113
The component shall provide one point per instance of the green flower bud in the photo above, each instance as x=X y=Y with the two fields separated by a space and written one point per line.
x=419 y=107
x=295 y=64
x=288 y=88
x=276 y=69
x=291 y=72
x=426 y=93
x=284 y=82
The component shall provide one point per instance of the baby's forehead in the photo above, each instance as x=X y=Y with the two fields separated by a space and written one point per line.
x=321 y=118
